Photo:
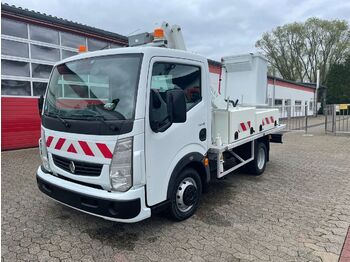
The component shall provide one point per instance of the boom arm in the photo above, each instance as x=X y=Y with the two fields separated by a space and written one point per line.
x=172 y=38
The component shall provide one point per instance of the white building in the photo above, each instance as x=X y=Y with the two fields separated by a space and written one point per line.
x=291 y=97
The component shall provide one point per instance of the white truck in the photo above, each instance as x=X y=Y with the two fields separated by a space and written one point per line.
x=130 y=131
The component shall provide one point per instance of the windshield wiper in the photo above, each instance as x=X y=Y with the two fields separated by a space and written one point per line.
x=64 y=122
x=102 y=119
x=99 y=117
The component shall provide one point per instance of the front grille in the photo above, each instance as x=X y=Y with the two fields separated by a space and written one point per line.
x=79 y=182
x=81 y=168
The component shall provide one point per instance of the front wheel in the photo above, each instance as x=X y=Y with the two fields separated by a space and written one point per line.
x=185 y=194
x=257 y=166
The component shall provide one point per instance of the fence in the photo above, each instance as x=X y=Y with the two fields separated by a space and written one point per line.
x=294 y=117
x=337 y=119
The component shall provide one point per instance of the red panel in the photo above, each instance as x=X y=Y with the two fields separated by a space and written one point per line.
x=49 y=141
x=76 y=103
x=60 y=143
x=215 y=69
x=104 y=150
x=20 y=123
x=243 y=127
x=86 y=148
x=291 y=85
x=71 y=149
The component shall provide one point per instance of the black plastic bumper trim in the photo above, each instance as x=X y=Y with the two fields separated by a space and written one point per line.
x=71 y=180
x=104 y=207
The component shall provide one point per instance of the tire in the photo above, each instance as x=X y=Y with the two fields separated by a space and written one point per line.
x=185 y=195
x=258 y=165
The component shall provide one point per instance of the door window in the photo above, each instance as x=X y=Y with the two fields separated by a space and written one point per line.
x=166 y=76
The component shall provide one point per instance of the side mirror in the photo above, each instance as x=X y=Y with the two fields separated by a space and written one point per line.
x=40 y=104
x=176 y=103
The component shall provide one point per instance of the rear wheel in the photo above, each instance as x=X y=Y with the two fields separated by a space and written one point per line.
x=185 y=194
x=257 y=166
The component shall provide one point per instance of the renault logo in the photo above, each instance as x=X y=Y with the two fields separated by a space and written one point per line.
x=72 y=167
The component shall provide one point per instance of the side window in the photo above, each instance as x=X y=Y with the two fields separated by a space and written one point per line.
x=166 y=76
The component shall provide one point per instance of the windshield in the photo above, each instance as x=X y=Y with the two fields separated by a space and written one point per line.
x=94 y=87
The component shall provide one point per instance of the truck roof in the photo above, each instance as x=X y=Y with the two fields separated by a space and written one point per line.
x=147 y=50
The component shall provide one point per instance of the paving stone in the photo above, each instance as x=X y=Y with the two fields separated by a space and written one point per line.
x=297 y=211
x=327 y=256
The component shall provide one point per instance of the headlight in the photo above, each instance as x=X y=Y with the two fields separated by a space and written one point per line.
x=120 y=171
x=43 y=151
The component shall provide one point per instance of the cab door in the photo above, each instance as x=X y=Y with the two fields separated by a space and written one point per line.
x=166 y=146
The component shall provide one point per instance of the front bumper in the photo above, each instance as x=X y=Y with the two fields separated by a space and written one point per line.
x=126 y=207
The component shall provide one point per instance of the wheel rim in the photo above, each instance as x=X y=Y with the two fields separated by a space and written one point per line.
x=186 y=194
x=261 y=158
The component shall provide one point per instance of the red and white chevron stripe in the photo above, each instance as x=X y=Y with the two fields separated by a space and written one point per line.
x=80 y=147
x=244 y=126
x=268 y=120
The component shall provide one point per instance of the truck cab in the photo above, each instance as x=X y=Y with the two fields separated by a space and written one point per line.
x=126 y=132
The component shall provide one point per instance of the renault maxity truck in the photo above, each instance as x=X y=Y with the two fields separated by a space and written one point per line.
x=129 y=131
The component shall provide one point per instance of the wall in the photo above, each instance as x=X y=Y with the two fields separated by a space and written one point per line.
x=20 y=123
x=285 y=91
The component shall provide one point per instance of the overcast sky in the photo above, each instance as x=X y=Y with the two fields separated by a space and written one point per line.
x=212 y=28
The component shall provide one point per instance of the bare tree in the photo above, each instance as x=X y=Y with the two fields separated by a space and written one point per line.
x=297 y=50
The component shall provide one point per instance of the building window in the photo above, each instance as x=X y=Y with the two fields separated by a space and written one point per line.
x=14 y=68
x=26 y=65
x=43 y=34
x=39 y=88
x=99 y=92
x=41 y=71
x=278 y=102
x=72 y=40
x=311 y=105
x=14 y=28
x=14 y=48
x=45 y=53
x=94 y=45
x=15 y=88
x=287 y=102
x=66 y=54
x=270 y=101
x=297 y=104
x=75 y=90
